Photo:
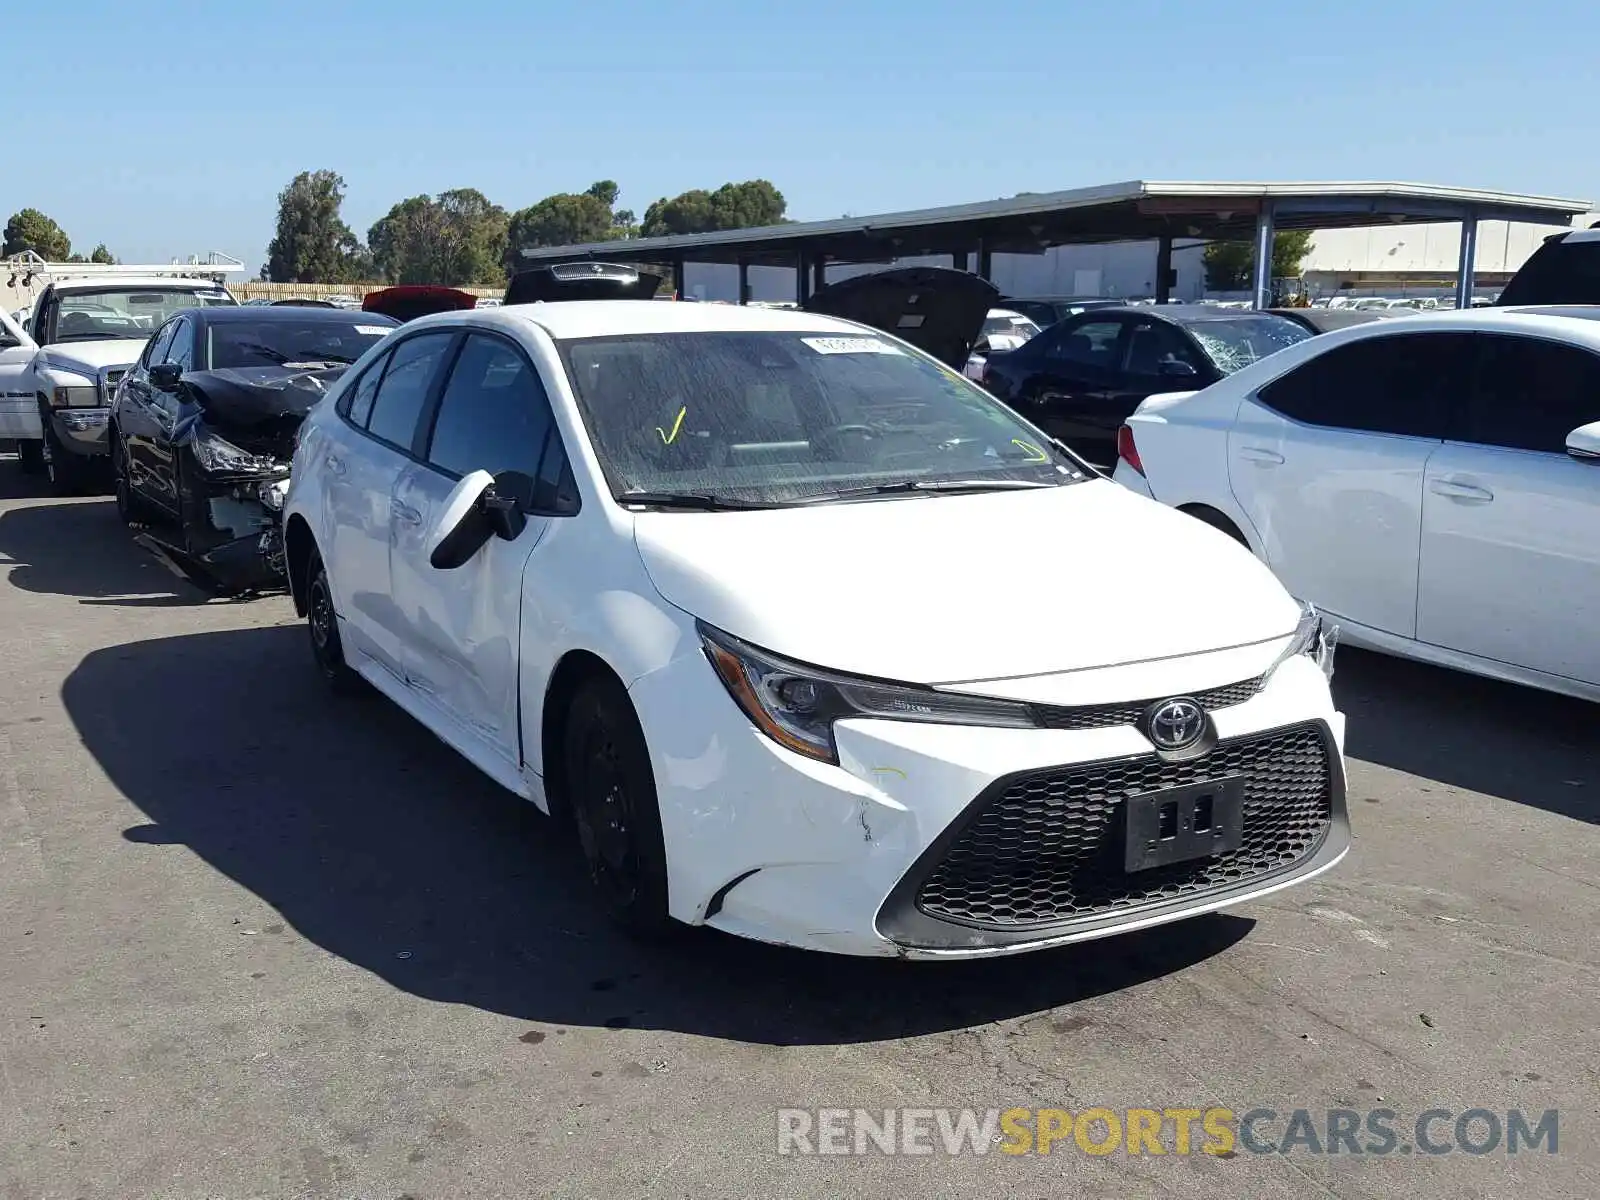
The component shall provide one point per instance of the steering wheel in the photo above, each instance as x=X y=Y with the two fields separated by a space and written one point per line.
x=833 y=433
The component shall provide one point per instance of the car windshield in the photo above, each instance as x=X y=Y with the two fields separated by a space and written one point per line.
x=127 y=312
x=259 y=343
x=1235 y=342
x=785 y=417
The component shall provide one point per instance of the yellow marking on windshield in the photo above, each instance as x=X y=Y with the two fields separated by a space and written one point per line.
x=668 y=438
x=889 y=771
x=1038 y=454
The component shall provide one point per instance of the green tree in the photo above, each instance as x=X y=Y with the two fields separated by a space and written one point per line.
x=454 y=239
x=312 y=243
x=30 y=229
x=564 y=219
x=101 y=255
x=606 y=191
x=1230 y=266
x=732 y=206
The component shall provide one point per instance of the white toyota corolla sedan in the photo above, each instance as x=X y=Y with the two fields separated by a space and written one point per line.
x=809 y=638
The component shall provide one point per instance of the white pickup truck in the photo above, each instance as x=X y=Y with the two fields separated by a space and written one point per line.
x=86 y=328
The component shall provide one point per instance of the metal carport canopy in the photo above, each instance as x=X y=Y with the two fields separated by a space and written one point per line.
x=1033 y=222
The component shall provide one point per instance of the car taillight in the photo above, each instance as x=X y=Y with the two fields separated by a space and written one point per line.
x=1127 y=451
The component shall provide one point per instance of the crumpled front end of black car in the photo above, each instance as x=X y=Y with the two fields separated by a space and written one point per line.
x=234 y=439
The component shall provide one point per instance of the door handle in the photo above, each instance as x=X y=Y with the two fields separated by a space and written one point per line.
x=404 y=514
x=1457 y=490
x=334 y=464
x=1256 y=454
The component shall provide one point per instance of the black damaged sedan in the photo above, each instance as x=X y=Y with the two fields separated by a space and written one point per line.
x=202 y=431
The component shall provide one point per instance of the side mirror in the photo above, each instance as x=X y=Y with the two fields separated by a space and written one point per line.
x=1584 y=442
x=1173 y=368
x=481 y=506
x=164 y=376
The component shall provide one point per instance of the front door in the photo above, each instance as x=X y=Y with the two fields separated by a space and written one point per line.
x=1511 y=522
x=462 y=625
x=144 y=422
x=1327 y=462
x=19 y=407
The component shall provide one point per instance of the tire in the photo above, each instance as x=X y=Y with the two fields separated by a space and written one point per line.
x=64 y=469
x=612 y=793
x=327 y=650
x=130 y=507
x=30 y=455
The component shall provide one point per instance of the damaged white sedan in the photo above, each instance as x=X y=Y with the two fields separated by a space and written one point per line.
x=809 y=638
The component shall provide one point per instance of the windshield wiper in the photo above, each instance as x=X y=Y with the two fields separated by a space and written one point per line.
x=703 y=501
x=279 y=359
x=947 y=486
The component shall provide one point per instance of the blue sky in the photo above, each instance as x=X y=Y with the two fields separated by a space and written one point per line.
x=166 y=129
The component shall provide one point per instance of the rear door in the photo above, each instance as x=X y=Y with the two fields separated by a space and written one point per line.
x=461 y=626
x=19 y=408
x=1511 y=522
x=1071 y=380
x=382 y=431
x=1327 y=462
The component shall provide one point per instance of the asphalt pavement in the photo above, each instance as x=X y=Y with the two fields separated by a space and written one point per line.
x=259 y=941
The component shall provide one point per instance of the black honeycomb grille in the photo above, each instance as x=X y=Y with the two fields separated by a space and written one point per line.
x=1050 y=846
x=1105 y=716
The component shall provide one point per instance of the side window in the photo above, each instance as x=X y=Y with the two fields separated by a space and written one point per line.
x=1087 y=344
x=1531 y=393
x=1400 y=384
x=156 y=351
x=494 y=415
x=181 y=350
x=1154 y=345
x=356 y=404
x=406 y=385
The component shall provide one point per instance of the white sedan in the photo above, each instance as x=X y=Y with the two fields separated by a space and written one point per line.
x=735 y=592
x=1433 y=483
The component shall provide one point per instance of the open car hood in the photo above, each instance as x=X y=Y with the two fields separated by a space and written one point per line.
x=410 y=301
x=581 y=281
x=936 y=309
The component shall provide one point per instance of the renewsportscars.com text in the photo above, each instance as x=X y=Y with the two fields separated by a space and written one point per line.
x=1164 y=1131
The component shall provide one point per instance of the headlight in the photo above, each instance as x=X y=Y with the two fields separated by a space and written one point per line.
x=796 y=706
x=75 y=397
x=271 y=493
x=221 y=457
x=1313 y=636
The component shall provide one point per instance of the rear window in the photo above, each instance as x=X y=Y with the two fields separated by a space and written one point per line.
x=1560 y=272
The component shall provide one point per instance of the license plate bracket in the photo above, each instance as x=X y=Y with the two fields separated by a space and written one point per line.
x=1177 y=824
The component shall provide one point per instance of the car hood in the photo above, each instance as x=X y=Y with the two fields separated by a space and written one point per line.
x=243 y=396
x=952 y=589
x=936 y=309
x=87 y=358
x=410 y=301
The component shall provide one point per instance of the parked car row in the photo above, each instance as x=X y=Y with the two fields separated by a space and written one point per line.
x=711 y=585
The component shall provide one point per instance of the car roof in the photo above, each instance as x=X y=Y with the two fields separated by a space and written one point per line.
x=255 y=314
x=1183 y=314
x=620 y=318
x=117 y=283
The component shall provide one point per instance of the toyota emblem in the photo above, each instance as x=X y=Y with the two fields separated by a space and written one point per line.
x=1175 y=724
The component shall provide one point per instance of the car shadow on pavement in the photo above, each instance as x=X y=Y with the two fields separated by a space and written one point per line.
x=79 y=547
x=381 y=846
x=1500 y=739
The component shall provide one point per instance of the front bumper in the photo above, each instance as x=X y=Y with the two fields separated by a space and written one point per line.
x=81 y=431
x=768 y=844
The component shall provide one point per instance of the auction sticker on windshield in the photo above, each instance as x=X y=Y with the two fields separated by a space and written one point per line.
x=850 y=345
x=373 y=330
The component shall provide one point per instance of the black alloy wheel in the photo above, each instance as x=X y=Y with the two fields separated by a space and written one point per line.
x=327 y=650
x=615 y=809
